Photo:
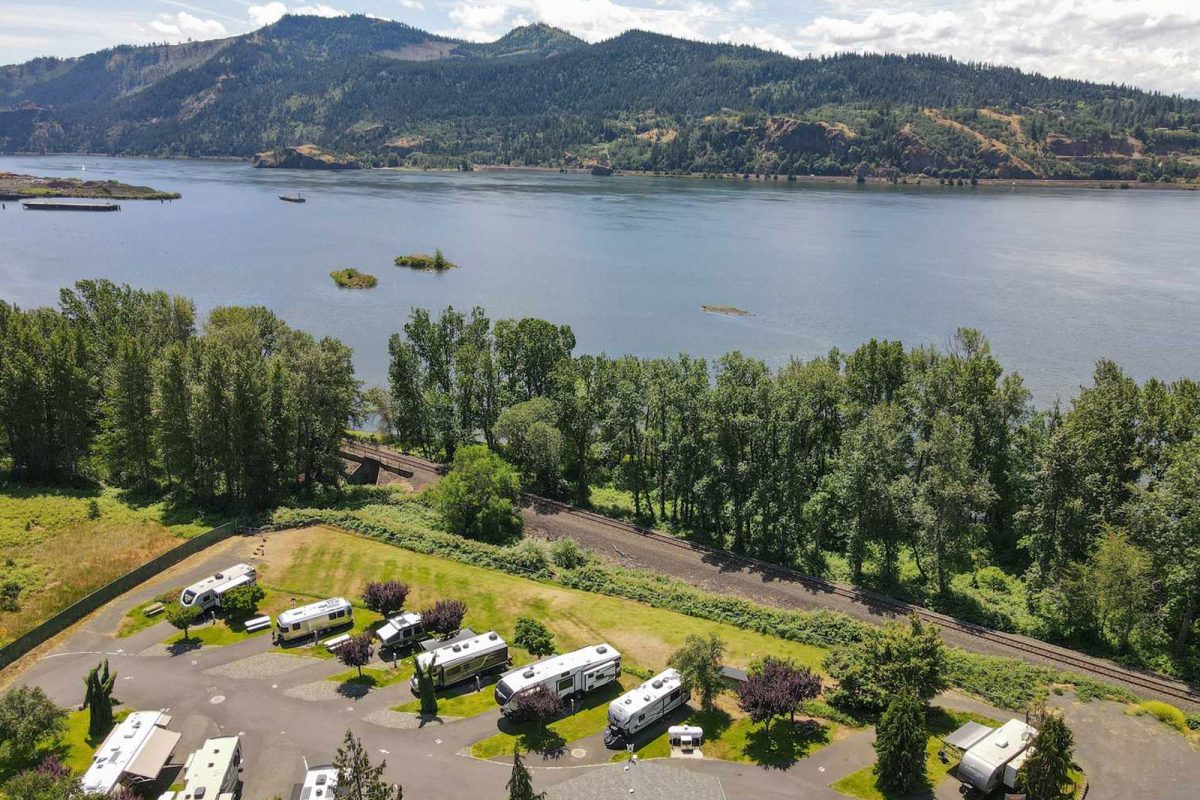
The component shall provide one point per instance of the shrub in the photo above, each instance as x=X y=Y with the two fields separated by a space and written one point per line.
x=479 y=496
x=385 y=597
x=530 y=557
x=444 y=617
x=567 y=554
x=992 y=579
x=533 y=636
x=1164 y=713
x=353 y=279
x=242 y=602
x=539 y=703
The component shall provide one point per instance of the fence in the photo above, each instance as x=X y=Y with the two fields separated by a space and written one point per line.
x=81 y=608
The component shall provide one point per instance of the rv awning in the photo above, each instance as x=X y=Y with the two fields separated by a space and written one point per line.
x=966 y=736
x=158 y=748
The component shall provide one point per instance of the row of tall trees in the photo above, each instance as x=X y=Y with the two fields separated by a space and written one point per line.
x=117 y=384
x=885 y=456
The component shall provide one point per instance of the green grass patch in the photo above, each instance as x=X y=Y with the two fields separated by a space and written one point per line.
x=1165 y=713
x=353 y=279
x=456 y=704
x=940 y=723
x=374 y=677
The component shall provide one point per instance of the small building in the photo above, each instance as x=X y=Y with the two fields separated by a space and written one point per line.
x=994 y=758
x=319 y=784
x=134 y=752
x=733 y=677
x=213 y=771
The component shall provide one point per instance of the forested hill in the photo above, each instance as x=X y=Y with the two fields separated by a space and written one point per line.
x=389 y=93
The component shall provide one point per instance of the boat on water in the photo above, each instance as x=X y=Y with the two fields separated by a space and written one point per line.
x=292 y=198
x=59 y=205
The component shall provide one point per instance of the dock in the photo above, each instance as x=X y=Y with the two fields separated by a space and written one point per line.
x=61 y=205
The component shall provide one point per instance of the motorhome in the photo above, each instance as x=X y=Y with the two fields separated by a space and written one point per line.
x=463 y=659
x=401 y=630
x=207 y=593
x=313 y=619
x=995 y=758
x=568 y=674
x=133 y=753
x=640 y=708
x=214 y=771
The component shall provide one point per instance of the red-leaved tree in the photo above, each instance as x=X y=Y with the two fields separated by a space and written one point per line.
x=385 y=597
x=444 y=617
x=357 y=652
x=775 y=688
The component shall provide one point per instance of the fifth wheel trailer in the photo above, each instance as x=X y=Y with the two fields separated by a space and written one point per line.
x=643 y=706
x=568 y=674
x=464 y=659
x=993 y=759
x=207 y=593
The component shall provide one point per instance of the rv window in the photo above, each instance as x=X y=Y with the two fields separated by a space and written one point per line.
x=566 y=683
x=296 y=626
x=641 y=717
x=676 y=693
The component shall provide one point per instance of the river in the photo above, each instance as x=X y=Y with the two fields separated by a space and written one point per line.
x=1055 y=278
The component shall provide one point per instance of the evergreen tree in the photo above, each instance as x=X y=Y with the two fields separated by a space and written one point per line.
x=1046 y=773
x=425 y=688
x=900 y=746
x=126 y=441
x=358 y=778
x=98 y=700
x=520 y=783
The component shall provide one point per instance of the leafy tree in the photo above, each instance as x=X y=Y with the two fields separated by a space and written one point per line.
x=97 y=699
x=540 y=704
x=126 y=440
x=533 y=636
x=357 y=651
x=28 y=718
x=776 y=687
x=520 y=783
x=242 y=601
x=385 y=597
x=479 y=496
x=52 y=780
x=900 y=745
x=1119 y=580
x=425 y=690
x=699 y=666
x=444 y=617
x=533 y=442
x=1046 y=773
x=358 y=778
x=897 y=658
x=183 y=618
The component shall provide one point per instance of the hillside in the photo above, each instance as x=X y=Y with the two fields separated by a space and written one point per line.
x=387 y=93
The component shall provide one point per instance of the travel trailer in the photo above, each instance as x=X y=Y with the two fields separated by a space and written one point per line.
x=313 y=619
x=640 y=708
x=213 y=771
x=401 y=630
x=568 y=674
x=207 y=593
x=463 y=659
x=133 y=753
x=995 y=758
x=319 y=783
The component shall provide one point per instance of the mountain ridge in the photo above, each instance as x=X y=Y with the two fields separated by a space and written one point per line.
x=540 y=96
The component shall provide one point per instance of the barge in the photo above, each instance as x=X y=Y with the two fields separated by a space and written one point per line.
x=59 y=205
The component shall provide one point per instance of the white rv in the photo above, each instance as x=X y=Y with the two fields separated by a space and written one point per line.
x=207 y=593
x=639 y=708
x=313 y=619
x=569 y=674
x=133 y=753
x=320 y=783
x=463 y=659
x=213 y=771
x=995 y=758
x=401 y=630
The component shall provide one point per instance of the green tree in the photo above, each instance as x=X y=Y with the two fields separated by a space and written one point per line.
x=520 y=783
x=97 y=699
x=242 y=602
x=1046 y=773
x=479 y=496
x=900 y=746
x=533 y=442
x=126 y=441
x=183 y=618
x=1120 y=581
x=425 y=689
x=900 y=657
x=699 y=664
x=28 y=718
x=533 y=636
x=358 y=778
x=173 y=411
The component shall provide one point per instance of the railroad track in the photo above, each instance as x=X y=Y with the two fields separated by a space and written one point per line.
x=1157 y=684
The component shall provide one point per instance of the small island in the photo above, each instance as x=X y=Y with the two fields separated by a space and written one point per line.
x=20 y=187
x=729 y=311
x=428 y=263
x=353 y=279
x=305 y=156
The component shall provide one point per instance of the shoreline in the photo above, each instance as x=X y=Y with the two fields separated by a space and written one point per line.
x=906 y=180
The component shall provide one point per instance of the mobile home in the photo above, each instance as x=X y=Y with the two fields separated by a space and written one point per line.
x=313 y=619
x=994 y=759
x=568 y=674
x=207 y=593
x=464 y=659
x=213 y=771
x=640 y=708
x=401 y=630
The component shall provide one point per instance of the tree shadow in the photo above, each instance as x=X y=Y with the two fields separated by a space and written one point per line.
x=785 y=742
x=187 y=644
x=356 y=688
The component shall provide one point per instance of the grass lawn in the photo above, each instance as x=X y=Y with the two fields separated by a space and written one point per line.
x=105 y=534
x=590 y=718
x=325 y=562
x=456 y=704
x=376 y=678
x=941 y=723
x=208 y=634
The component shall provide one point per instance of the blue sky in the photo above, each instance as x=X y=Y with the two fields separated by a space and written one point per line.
x=1150 y=43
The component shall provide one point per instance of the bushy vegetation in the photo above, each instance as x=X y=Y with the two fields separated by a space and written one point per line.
x=430 y=263
x=350 y=278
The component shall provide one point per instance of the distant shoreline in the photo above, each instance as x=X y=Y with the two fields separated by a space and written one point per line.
x=907 y=180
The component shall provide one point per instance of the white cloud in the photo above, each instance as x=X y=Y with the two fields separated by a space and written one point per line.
x=270 y=13
x=183 y=25
x=415 y=5
x=590 y=19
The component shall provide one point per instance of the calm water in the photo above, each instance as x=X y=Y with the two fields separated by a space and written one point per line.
x=1055 y=278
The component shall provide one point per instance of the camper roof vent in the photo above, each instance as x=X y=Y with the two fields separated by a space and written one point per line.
x=527 y=673
x=199 y=793
x=657 y=684
x=628 y=701
x=321 y=779
x=218 y=575
x=457 y=648
x=492 y=637
x=601 y=649
x=1002 y=742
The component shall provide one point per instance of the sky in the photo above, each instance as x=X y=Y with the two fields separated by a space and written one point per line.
x=1154 y=44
